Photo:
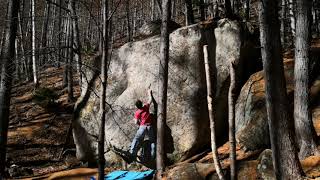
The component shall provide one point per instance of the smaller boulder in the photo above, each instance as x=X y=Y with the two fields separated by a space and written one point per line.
x=152 y=28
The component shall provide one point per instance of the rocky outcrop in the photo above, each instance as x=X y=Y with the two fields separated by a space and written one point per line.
x=255 y=168
x=251 y=117
x=152 y=28
x=135 y=65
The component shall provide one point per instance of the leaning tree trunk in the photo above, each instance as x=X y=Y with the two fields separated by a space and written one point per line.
x=285 y=158
x=7 y=69
x=163 y=83
x=210 y=95
x=104 y=57
x=305 y=132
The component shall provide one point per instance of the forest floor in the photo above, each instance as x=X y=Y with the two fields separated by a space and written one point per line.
x=39 y=138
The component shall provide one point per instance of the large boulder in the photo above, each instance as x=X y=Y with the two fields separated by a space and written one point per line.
x=251 y=117
x=135 y=65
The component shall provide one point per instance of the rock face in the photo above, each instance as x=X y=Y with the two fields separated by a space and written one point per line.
x=251 y=116
x=135 y=65
x=153 y=28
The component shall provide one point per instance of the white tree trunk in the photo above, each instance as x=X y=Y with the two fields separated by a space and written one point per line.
x=33 y=39
x=210 y=96
x=292 y=17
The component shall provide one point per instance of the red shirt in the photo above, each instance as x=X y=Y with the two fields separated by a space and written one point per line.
x=143 y=115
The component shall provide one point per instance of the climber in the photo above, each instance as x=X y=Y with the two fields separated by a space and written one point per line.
x=143 y=118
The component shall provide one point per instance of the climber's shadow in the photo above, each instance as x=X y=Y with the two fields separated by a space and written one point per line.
x=144 y=156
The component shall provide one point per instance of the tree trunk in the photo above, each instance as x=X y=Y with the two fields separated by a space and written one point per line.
x=153 y=12
x=173 y=10
x=302 y=114
x=17 y=59
x=50 y=37
x=283 y=22
x=129 y=32
x=247 y=10
x=292 y=17
x=7 y=67
x=235 y=7
x=69 y=55
x=202 y=11
x=159 y=5
x=103 y=88
x=210 y=96
x=316 y=17
x=232 y=133
x=23 y=56
x=33 y=39
x=227 y=5
x=163 y=82
x=45 y=33
x=285 y=158
x=59 y=32
x=189 y=12
x=76 y=39
x=65 y=52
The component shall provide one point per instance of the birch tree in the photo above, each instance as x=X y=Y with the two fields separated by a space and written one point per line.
x=210 y=96
x=33 y=42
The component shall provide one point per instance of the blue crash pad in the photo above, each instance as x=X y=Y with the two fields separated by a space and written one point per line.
x=128 y=175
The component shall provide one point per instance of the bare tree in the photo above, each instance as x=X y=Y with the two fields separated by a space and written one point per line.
x=202 y=10
x=285 y=158
x=76 y=45
x=210 y=100
x=163 y=81
x=69 y=54
x=283 y=21
x=232 y=132
x=104 y=57
x=33 y=39
x=228 y=9
x=45 y=32
x=129 y=31
x=292 y=17
x=7 y=69
x=302 y=115
x=189 y=12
